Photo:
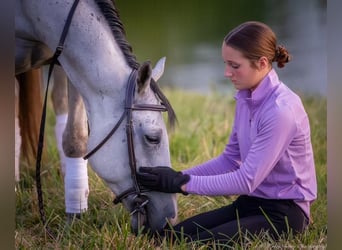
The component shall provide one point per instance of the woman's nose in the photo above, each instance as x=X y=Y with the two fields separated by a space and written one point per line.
x=227 y=73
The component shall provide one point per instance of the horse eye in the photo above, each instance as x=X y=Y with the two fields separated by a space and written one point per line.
x=153 y=139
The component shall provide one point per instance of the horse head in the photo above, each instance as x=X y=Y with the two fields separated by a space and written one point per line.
x=149 y=146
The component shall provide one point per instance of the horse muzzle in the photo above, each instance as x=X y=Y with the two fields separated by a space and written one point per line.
x=139 y=214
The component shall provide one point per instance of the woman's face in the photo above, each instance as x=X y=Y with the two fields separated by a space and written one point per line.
x=239 y=69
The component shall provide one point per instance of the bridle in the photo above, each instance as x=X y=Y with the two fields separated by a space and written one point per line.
x=140 y=200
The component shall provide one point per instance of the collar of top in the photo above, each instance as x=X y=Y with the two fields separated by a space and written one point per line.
x=266 y=85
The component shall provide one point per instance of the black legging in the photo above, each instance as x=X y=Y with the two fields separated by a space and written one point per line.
x=251 y=214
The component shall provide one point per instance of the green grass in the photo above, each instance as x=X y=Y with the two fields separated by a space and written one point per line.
x=203 y=130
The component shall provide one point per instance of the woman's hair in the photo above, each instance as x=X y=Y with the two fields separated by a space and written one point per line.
x=254 y=40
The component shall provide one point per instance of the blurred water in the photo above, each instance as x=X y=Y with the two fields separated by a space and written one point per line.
x=190 y=33
x=303 y=31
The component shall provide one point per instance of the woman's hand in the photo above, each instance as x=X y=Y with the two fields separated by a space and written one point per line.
x=163 y=179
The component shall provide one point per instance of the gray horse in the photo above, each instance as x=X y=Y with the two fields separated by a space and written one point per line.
x=98 y=61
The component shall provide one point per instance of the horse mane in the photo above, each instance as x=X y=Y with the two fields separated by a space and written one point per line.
x=172 y=118
x=111 y=14
x=109 y=10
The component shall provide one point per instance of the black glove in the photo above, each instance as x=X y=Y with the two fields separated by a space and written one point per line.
x=163 y=179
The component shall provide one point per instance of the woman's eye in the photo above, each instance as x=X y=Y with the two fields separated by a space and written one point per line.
x=234 y=65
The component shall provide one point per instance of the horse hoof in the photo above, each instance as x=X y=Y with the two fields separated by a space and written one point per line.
x=70 y=217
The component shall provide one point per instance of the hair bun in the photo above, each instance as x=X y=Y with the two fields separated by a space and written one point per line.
x=282 y=56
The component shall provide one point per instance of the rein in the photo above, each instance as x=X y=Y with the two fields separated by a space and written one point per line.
x=54 y=61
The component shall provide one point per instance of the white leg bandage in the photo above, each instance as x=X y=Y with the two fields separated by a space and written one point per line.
x=76 y=185
x=61 y=121
x=17 y=149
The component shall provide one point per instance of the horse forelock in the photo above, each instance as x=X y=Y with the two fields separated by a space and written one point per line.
x=172 y=118
x=110 y=12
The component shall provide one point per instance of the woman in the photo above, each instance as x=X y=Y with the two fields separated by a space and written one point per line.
x=268 y=160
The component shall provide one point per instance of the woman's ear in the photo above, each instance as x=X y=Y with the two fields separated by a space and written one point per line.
x=263 y=63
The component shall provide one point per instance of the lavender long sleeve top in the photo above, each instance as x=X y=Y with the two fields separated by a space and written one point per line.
x=269 y=152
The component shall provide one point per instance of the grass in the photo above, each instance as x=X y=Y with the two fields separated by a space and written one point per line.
x=203 y=129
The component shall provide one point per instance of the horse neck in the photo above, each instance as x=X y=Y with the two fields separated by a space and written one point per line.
x=91 y=57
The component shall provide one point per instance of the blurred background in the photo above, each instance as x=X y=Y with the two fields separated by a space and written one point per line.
x=190 y=34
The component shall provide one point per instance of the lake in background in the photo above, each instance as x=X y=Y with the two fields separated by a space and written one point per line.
x=190 y=34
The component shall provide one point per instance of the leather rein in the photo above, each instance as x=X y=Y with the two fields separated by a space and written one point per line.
x=140 y=200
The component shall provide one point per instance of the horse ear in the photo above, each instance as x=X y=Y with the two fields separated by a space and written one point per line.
x=158 y=70
x=144 y=76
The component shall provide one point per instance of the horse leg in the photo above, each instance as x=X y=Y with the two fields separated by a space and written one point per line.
x=71 y=135
x=17 y=132
x=59 y=97
x=75 y=139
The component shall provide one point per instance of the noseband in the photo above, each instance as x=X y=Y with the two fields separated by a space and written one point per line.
x=139 y=199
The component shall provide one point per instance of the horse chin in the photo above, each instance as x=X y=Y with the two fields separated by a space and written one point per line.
x=172 y=221
x=139 y=224
x=143 y=227
x=160 y=211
